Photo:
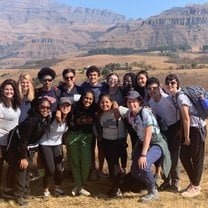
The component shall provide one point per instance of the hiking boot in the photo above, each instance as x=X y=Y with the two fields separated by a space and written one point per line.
x=58 y=192
x=192 y=191
x=165 y=186
x=8 y=195
x=21 y=202
x=114 y=192
x=84 y=192
x=27 y=196
x=151 y=195
x=75 y=191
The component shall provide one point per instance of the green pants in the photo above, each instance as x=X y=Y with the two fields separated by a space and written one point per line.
x=80 y=153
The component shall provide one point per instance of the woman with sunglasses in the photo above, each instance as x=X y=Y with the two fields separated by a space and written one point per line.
x=194 y=133
x=46 y=76
x=20 y=139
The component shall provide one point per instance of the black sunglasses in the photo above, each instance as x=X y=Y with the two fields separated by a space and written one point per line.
x=42 y=107
x=47 y=80
x=69 y=78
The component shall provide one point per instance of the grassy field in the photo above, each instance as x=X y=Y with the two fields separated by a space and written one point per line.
x=98 y=188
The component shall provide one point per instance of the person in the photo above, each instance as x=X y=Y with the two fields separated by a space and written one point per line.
x=169 y=117
x=193 y=145
x=141 y=79
x=79 y=141
x=111 y=130
x=116 y=93
x=46 y=76
x=9 y=116
x=151 y=146
x=27 y=94
x=26 y=134
x=68 y=88
x=51 y=149
x=93 y=75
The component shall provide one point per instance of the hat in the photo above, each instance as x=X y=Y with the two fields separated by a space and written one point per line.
x=46 y=71
x=63 y=100
x=133 y=94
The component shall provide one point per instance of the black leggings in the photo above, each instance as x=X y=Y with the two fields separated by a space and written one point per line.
x=52 y=158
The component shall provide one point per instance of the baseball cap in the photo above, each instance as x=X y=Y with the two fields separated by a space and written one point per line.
x=133 y=94
x=63 y=100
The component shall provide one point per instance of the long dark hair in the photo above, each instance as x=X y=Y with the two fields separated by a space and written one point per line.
x=16 y=100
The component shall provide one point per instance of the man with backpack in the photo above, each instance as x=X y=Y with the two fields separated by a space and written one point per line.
x=194 y=129
x=169 y=118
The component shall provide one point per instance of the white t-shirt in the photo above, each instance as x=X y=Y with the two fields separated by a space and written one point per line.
x=8 y=120
x=194 y=120
x=54 y=136
x=166 y=109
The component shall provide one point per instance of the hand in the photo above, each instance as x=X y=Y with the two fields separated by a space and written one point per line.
x=187 y=141
x=142 y=162
x=23 y=164
x=116 y=113
x=58 y=116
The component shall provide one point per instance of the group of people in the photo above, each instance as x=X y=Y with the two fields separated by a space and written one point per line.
x=103 y=114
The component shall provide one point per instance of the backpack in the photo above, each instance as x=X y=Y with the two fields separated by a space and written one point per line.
x=198 y=97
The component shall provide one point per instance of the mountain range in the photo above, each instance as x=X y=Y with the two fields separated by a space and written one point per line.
x=44 y=29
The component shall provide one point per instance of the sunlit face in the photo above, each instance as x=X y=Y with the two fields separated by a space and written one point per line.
x=127 y=82
x=8 y=91
x=105 y=104
x=65 y=108
x=93 y=78
x=171 y=86
x=153 y=90
x=69 y=79
x=44 y=109
x=133 y=104
x=47 y=81
x=113 y=81
x=88 y=100
x=141 y=80
x=25 y=84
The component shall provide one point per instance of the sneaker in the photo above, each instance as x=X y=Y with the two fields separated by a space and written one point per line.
x=27 y=196
x=114 y=192
x=93 y=175
x=174 y=188
x=192 y=191
x=165 y=186
x=151 y=195
x=8 y=194
x=75 y=191
x=59 y=192
x=46 y=194
x=189 y=187
x=84 y=192
x=21 y=201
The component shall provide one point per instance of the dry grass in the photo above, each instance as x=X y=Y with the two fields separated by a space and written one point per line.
x=129 y=200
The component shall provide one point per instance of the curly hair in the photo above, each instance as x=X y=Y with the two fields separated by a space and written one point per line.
x=16 y=100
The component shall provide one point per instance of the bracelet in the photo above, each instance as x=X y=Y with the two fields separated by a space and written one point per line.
x=143 y=155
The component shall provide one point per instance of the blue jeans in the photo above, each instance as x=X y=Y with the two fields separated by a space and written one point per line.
x=146 y=175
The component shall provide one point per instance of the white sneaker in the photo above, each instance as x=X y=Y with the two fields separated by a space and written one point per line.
x=84 y=192
x=46 y=194
x=192 y=191
x=75 y=191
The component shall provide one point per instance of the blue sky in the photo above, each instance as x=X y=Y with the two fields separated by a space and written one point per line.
x=132 y=8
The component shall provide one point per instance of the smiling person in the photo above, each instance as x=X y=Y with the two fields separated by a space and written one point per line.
x=69 y=87
x=51 y=149
x=152 y=145
x=21 y=138
x=9 y=116
x=193 y=142
x=79 y=141
x=46 y=76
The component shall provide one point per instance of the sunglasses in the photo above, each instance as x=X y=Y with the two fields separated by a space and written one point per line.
x=170 y=82
x=47 y=80
x=42 y=107
x=69 y=78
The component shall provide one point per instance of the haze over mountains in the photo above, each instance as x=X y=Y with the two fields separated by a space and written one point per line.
x=43 y=29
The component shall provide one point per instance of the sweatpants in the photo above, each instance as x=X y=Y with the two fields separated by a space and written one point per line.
x=192 y=156
x=146 y=175
x=80 y=149
x=52 y=158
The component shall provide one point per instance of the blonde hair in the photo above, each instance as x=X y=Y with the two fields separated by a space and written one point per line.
x=31 y=92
